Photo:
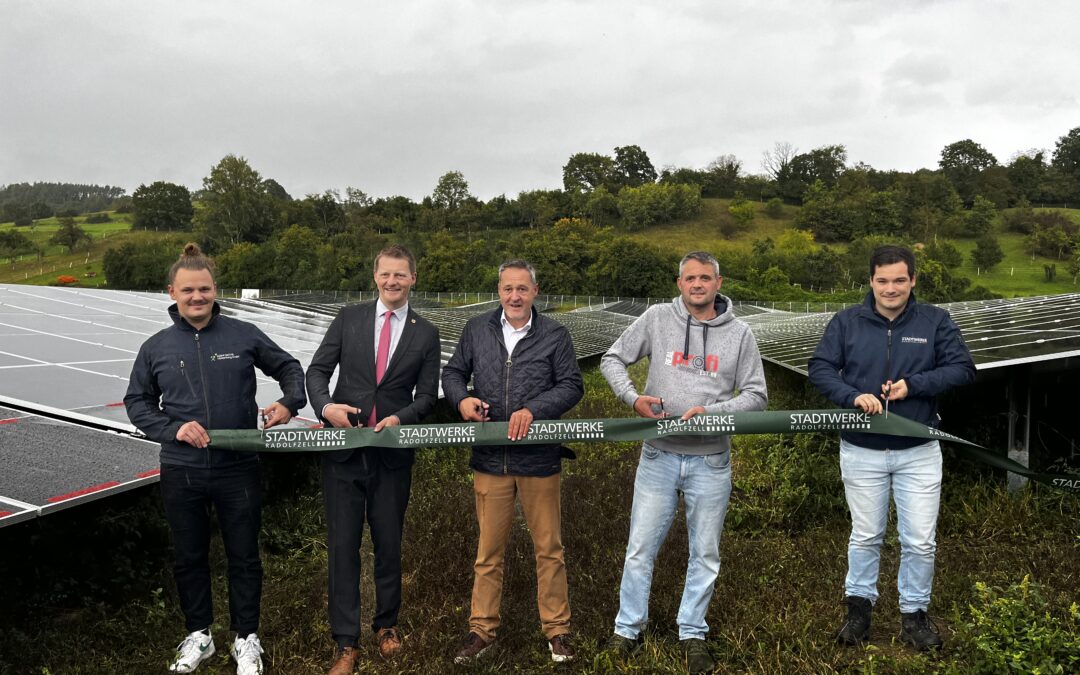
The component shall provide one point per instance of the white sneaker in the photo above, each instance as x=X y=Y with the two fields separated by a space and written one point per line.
x=196 y=648
x=248 y=654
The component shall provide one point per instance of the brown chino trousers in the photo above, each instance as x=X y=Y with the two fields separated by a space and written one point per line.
x=539 y=497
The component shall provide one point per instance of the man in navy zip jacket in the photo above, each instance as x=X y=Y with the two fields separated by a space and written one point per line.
x=894 y=350
x=523 y=368
x=195 y=375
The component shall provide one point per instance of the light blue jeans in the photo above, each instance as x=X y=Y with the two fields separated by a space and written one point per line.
x=705 y=482
x=914 y=475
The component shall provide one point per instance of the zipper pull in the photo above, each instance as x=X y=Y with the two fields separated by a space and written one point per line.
x=196 y=337
x=509 y=362
x=181 y=364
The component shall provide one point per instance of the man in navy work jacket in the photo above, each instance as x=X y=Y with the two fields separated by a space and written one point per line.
x=523 y=368
x=387 y=360
x=891 y=349
x=195 y=375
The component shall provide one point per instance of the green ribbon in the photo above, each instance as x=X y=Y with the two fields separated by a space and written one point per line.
x=549 y=432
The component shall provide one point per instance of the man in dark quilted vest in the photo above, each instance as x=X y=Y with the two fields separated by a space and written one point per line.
x=523 y=367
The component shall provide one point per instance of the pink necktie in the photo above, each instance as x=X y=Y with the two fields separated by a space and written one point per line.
x=381 y=358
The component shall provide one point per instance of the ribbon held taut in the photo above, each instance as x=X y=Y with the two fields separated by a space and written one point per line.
x=547 y=432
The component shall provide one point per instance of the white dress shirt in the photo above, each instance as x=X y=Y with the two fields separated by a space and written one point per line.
x=511 y=335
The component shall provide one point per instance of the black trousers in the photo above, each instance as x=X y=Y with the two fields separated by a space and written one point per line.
x=235 y=492
x=358 y=488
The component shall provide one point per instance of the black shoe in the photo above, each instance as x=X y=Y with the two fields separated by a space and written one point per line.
x=698 y=658
x=621 y=647
x=917 y=630
x=857 y=626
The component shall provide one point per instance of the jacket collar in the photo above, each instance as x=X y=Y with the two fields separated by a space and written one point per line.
x=495 y=319
x=181 y=322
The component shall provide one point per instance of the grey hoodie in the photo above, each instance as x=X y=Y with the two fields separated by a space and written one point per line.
x=690 y=363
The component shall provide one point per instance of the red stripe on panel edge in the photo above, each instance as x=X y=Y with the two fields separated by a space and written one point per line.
x=5 y=514
x=84 y=491
x=148 y=474
x=10 y=420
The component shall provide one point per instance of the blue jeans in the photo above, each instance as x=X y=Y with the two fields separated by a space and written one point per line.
x=235 y=492
x=705 y=482
x=914 y=475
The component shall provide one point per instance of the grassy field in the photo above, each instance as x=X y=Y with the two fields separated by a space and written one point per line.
x=705 y=231
x=85 y=263
x=101 y=599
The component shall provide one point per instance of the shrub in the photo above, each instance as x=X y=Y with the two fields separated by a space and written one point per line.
x=774 y=208
x=1012 y=630
x=95 y=218
x=24 y=221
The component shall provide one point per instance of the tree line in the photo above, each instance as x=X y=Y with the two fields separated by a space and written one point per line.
x=262 y=236
x=23 y=203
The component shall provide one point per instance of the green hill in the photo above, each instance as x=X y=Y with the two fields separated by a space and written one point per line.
x=1019 y=274
x=84 y=263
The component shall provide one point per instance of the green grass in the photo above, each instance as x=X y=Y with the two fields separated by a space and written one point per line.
x=1019 y=274
x=704 y=231
x=101 y=599
x=85 y=263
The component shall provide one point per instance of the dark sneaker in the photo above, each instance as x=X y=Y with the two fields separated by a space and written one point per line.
x=917 y=630
x=857 y=626
x=620 y=647
x=562 y=650
x=474 y=647
x=698 y=658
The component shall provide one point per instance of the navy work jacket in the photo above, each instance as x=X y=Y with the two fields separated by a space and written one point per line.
x=861 y=350
x=182 y=374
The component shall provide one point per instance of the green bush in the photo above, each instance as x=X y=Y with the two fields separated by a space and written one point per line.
x=1012 y=630
x=95 y=218
x=774 y=208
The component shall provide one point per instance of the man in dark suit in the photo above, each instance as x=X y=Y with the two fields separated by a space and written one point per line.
x=384 y=352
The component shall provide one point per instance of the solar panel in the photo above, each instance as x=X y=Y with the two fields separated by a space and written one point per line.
x=71 y=349
x=999 y=333
x=48 y=465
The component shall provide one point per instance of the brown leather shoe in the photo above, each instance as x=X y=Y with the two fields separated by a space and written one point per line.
x=346 y=661
x=562 y=648
x=389 y=642
x=474 y=647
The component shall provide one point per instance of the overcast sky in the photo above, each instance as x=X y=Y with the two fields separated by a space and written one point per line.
x=388 y=96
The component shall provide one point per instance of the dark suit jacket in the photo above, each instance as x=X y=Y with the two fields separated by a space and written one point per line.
x=349 y=343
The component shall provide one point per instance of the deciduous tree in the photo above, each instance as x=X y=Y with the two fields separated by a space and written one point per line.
x=586 y=171
x=961 y=162
x=162 y=206
x=235 y=206
x=633 y=168
x=70 y=235
x=451 y=191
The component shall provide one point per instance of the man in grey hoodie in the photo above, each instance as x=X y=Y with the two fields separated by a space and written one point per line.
x=702 y=360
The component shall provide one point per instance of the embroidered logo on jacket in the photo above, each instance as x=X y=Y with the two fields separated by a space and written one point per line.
x=910 y=339
x=224 y=357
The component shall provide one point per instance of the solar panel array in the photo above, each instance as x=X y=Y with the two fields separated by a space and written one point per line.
x=71 y=349
x=999 y=333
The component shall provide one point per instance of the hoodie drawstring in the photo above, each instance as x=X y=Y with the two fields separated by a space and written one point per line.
x=704 y=341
